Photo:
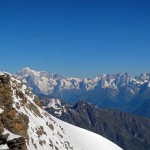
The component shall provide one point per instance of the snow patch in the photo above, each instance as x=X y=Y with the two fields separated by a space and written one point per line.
x=149 y=84
x=1 y=110
x=11 y=135
x=4 y=147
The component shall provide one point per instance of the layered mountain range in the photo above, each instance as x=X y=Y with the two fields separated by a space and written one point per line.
x=128 y=131
x=104 y=91
x=25 y=125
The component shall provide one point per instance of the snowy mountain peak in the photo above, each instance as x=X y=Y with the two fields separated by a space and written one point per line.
x=55 y=103
x=81 y=104
x=26 y=68
x=145 y=76
x=34 y=73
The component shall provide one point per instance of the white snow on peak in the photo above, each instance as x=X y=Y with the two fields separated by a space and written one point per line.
x=42 y=79
x=26 y=68
x=96 y=78
x=54 y=102
x=149 y=84
x=4 y=73
x=145 y=74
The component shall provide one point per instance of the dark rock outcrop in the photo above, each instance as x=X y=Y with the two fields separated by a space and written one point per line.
x=17 y=144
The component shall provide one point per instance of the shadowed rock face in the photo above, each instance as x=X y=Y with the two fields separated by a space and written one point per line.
x=16 y=144
x=9 y=119
x=128 y=131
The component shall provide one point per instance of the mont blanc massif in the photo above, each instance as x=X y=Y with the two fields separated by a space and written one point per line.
x=43 y=111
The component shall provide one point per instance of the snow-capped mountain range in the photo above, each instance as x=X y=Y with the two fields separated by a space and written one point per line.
x=48 y=83
x=105 y=91
x=25 y=125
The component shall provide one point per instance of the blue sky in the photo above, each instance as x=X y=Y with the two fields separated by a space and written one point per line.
x=74 y=37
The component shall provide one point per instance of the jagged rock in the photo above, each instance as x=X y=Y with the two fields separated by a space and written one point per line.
x=38 y=102
x=3 y=138
x=17 y=144
x=17 y=124
x=1 y=130
x=4 y=79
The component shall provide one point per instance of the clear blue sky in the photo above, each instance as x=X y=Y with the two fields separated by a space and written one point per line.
x=75 y=37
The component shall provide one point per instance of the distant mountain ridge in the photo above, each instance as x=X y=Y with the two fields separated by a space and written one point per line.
x=104 y=91
x=128 y=131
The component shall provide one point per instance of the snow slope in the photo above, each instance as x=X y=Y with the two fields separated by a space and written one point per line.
x=86 y=140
